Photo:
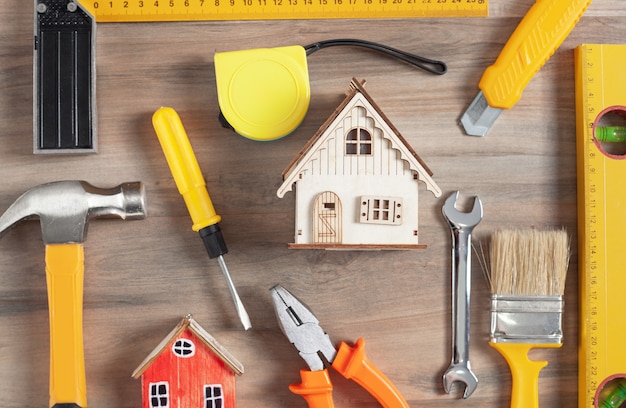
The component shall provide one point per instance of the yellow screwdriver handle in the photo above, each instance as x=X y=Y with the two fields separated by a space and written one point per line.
x=65 y=271
x=184 y=166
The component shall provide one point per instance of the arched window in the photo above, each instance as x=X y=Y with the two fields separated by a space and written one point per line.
x=359 y=142
x=184 y=348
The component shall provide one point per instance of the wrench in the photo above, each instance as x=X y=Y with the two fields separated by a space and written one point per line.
x=461 y=225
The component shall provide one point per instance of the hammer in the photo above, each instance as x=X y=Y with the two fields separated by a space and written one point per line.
x=64 y=208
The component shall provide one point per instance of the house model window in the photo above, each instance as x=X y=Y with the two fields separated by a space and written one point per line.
x=358 y=142
x=184 y=348
x=159 y=395
x=213 y=396
x=381 y=210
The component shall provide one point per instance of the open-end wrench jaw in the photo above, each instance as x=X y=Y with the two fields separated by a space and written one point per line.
x=459 y=219
x=460 y=373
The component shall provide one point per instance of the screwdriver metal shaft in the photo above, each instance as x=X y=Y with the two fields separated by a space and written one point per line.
x=191 y=185
x=241 y=310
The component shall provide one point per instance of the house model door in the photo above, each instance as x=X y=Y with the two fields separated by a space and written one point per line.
x=327 y=219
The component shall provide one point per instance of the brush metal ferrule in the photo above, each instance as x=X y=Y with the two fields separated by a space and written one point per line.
x=526 y=319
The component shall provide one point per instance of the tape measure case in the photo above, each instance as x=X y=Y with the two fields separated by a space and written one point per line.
x=263 y=93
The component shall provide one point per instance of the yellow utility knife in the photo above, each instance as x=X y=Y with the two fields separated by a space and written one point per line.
x=539 y=34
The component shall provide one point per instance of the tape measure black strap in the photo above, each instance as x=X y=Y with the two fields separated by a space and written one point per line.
x=427 y=64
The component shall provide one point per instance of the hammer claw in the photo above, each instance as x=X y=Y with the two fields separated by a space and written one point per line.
x=20 y=209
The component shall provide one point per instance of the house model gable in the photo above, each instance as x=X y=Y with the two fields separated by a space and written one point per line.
x=189 y=368
x=357 y=181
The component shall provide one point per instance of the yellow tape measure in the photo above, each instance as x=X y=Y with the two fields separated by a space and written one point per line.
x=601 y=105
x=188 y=10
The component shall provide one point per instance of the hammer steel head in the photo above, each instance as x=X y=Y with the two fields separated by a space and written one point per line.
x=64 y=207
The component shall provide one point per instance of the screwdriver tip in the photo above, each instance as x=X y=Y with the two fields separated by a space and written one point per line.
x=241 y=310
x=479 y=116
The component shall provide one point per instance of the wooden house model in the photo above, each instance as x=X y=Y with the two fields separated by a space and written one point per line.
x=188 y=369
x=356 y=181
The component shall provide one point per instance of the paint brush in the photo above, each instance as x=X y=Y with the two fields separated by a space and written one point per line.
x=527 y=274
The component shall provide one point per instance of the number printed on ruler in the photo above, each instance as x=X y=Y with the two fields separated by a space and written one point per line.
x=188 y=10
x=592 y=90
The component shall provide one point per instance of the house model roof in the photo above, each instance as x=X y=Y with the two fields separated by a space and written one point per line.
x=189 y=323
x=291 y=174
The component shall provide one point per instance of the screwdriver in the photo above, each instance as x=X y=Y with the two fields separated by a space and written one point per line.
x=536 y=38
x=191 y=185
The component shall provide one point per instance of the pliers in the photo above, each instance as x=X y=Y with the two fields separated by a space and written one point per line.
x=302 y=329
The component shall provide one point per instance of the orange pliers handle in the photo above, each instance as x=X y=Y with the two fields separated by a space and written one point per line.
x=315 y=388
x=351 y=362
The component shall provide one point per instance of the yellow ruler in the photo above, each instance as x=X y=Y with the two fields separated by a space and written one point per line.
x=188 y=10
x=600 y=99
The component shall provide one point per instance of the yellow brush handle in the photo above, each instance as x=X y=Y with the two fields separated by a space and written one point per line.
x=525 y=372
x=184 y=166
x=65 y=270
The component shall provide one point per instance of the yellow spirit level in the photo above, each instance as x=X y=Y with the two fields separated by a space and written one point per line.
x=601 y=164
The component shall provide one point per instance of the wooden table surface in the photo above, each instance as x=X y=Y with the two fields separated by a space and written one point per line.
x=143 y=277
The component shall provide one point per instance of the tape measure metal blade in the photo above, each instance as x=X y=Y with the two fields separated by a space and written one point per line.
x=207 y=10
x=602 y=220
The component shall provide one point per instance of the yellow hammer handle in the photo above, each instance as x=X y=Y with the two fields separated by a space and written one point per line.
x=524 y=372
x=184 y=166
x=536 y=38
x=65 y=271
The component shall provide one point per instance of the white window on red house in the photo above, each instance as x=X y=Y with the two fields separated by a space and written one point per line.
x=381 y=210
x=184 y=348
x=213 y=396
x=159 y=395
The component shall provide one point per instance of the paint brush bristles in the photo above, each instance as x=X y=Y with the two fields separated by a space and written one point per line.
x=527 y=277
x=528 y=262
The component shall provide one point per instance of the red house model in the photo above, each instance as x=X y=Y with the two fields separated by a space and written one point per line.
x=188 y=369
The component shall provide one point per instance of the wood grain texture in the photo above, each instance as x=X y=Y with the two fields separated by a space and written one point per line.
x=142 y=277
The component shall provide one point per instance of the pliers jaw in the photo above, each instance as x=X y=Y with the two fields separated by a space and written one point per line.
x=302 y=329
